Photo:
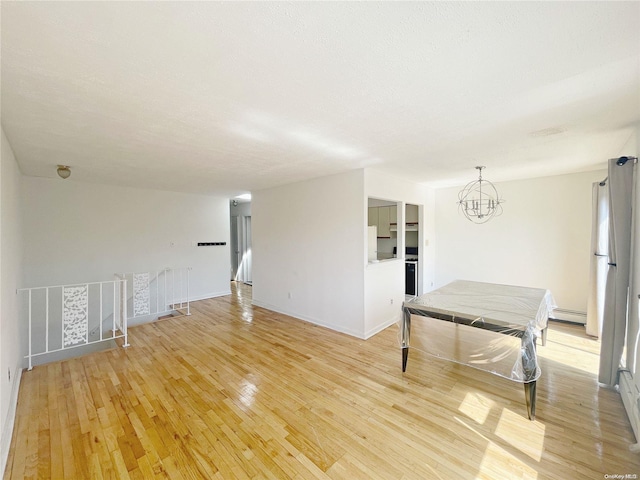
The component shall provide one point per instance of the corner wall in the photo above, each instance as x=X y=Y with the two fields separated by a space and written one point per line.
x=541 y=240
x=308 y=250
x=11 y=355
x=80 y=232
x=384 y=282
x=75 y=232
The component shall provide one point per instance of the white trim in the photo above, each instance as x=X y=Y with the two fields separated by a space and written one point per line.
x=210 y=295
x=304 y=318
x=7 y=433
x=379 y=328
x=134 y=322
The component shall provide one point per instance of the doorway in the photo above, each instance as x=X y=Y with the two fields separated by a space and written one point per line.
x=241 y=262
x=412 y=251
x=243 y=274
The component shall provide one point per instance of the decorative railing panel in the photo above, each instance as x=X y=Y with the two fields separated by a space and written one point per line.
x=62 y=317
x=141 y=302
x=156 y=293
x=75 y=315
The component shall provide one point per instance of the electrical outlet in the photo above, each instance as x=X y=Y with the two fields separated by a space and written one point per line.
x=289 y=295
x=392 y=301
x=9 y=373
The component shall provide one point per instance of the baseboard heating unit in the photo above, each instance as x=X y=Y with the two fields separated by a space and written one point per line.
x=570 y=316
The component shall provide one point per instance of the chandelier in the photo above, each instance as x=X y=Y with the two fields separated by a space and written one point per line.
x=479 y=200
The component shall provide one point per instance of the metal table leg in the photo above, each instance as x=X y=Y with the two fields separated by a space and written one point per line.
x=529 y=367
x=405 y=334
x=530 y=398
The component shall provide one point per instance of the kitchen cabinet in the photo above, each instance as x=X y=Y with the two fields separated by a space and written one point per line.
x=382 y=217
x=383 y=214
x=383 y=222
x=411 y=213
x=373 y=217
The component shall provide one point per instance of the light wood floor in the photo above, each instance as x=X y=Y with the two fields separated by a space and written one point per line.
x=236 y=392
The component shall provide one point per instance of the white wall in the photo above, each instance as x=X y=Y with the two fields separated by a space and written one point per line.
x=541 y=240
x=385 y=281
x=308 y=250
x=11 y=355
x=82 y=232
x=383 y=295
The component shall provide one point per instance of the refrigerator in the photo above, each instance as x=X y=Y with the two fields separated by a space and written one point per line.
x=372 y=243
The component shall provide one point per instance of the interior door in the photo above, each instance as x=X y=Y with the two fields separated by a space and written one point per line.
x=246 y=251
x=235 y=247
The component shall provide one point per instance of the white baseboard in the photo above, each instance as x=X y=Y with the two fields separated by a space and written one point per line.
x=210 y=295
x=134 y=322
x=630 y=398
x=304 y=318
x=7 y=432
x=379 y=328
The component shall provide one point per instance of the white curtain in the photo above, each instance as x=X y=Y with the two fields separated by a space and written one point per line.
x=599 y=257
x=621 y=183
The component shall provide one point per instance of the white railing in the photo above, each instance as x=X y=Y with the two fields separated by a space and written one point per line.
x=155 y=293
x=63 y=317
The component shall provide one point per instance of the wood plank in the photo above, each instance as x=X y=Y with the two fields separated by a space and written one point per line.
x=234 y=391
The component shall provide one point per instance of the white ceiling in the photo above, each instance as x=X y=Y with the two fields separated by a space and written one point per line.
x=232 y=97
